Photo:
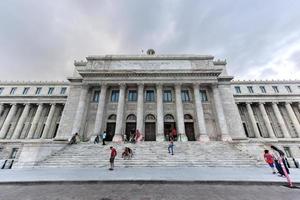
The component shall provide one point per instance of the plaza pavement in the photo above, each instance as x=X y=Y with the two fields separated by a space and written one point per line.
x=246 y=175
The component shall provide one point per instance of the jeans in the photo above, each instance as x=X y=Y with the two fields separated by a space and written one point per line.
x=171 y=147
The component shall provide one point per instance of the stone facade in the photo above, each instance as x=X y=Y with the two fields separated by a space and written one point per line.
x=151 y=93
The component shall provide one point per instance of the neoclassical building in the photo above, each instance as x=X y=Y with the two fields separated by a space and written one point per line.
x=152 y=93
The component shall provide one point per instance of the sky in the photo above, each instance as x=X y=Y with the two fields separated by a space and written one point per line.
x=39 y=40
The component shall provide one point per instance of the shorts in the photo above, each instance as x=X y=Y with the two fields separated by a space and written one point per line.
x=111 y=160
x=271 y=165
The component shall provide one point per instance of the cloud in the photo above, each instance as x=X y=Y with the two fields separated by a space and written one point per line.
x=39 y=41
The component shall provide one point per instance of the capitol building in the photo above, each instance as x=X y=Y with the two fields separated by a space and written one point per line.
x=151 y=93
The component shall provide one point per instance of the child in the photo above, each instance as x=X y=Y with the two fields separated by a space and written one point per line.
x=269 y=158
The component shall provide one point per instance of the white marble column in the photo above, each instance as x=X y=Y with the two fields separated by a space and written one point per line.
x=252 y=120
x=160 y=113
x=203 y=137
x=280 y=120
x=179 y=113
x=140 y=109
x=35 y=121
x=21 y=122
x=48 y=122
x=266 y=120
x=80 y=110
x=293 y=117
x=220 y=114
x=5 y=127
x=120 y=114
x=100 y=110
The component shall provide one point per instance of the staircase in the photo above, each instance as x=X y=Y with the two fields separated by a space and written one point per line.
x=152 y=154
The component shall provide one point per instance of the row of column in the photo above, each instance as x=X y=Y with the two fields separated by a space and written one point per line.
x=160 y=114
x=25 y=113
x=278 y=116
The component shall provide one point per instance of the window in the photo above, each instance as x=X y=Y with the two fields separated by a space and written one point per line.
x=132 y=95
x=96 y=96
x=38 y=90
x=250 y=89
x=63 y=90
x=25 y=91
x=185 y=96
x=287 y=152
x=263 y=89
x=203 y=95
x=288 y=88
x=50 y=91
x=275 y=88
x=237 y=89
x=114 y=96
x=167 y=96
x=13 y=90
x=1 y=90
x=150 y=95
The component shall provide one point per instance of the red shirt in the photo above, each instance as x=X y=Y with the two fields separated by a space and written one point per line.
x=269 y=158
x=113 y=153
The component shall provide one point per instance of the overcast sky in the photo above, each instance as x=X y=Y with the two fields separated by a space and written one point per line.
x=39 y=40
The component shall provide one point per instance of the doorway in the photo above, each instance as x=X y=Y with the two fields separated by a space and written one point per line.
x=130 y=126
x=110 y=130
x=169 y=125
x=189 y=127
x=150 y=128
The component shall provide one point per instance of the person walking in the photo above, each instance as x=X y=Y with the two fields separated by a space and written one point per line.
x=96 y=141
x=171 y=147
x=269 y=158
x=103 y=137
x=113 y=154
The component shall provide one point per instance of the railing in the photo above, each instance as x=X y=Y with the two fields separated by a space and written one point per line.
x=7 y=163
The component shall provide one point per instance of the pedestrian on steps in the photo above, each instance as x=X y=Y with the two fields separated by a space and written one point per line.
x=171 y=147
x=113 y=154
x=103 y=137
x=269 y=158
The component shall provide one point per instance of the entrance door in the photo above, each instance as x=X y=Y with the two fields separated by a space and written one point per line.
x=110 y=131
x=150 y=134
x=189 y=131
x=130 y=128
x=168 y=127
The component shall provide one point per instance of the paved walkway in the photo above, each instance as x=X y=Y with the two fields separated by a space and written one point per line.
x=190 y=174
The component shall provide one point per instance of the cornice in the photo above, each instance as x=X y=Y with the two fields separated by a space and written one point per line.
x=34 y=83
x=265 y=81
x=150 y=57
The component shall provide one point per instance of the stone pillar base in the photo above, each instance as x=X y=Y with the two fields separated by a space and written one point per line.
x=182 y=138
x=203 y=138
x=226 y=138
x=160 y=138
x=117 y=138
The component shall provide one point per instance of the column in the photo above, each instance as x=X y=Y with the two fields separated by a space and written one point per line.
x=253 y=120
x=120 y=114
x=160 y=113
x=5 y=126
x=179 y=113
x=48 y=121
x=21 y=122
x=266 y=120
x=220 y=114
x=293 y=117
x=280 y=120
x=80 y=110
x=35 y=121
x=100 y=110
x=140 y=109
x=200 y=115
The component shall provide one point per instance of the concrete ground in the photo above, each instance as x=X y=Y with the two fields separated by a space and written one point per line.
x=188 y=174
x=145 y=191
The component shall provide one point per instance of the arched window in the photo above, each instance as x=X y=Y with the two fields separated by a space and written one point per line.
x=112 y=117
x=131 y=117
x=150 y=117
x=169 y=118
